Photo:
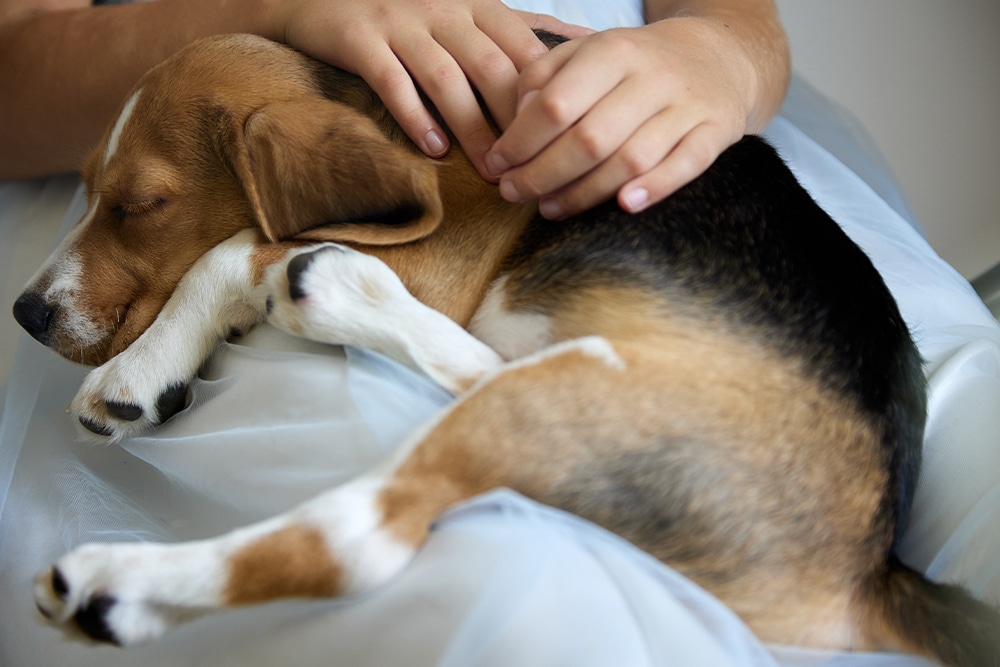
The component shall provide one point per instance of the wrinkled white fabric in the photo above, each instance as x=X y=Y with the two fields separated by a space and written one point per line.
x=502 y=581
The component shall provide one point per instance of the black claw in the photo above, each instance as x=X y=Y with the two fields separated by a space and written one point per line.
x=269 y=304
x=296 y=267
x=59 y=585
x=171 y=401
x=124 y=411
x=93 y=618
x=94 y=427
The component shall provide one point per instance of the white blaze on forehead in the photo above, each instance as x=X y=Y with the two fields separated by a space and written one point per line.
x=116 y=132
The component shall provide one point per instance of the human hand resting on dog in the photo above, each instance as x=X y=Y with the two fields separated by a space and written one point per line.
x=450 y=48
x=642 y=111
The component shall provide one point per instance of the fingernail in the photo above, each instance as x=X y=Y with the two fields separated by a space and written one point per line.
x=636 y=199
x=550 y=209
x=509 y=192
x=496 y=165
x=434 y=143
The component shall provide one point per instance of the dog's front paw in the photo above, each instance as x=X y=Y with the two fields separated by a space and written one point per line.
x=107 y=591
x=126 y=397
x=335 y=294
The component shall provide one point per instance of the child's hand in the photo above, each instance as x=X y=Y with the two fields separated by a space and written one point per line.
x=637 y=111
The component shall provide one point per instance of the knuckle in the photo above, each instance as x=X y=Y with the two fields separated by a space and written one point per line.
x=618 y=44
x=494 y=65
x=444 y=77
x=698 y=157
x=556 y=109
x=594 y=143
x=533 y=76
x=636 y=160
x=529 y=186
x=384 y=81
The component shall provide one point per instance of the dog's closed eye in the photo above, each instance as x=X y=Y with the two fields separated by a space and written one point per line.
x=128 y=209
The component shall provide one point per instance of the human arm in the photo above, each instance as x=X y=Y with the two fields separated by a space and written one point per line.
x=642 y=111
x=65 y=68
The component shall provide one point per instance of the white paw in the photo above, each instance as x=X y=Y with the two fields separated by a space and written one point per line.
x=129 y=394
x=105 y=589
x=336 y=295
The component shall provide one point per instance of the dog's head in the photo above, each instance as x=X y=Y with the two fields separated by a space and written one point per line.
x=232 y=133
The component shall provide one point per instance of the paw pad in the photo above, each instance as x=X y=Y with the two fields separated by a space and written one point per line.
x=128 y=412
x=296 y=267
x=96 y=427
x=171 y=401
x=92 y=618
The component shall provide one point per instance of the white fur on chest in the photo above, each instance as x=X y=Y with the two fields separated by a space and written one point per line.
x=511 y=333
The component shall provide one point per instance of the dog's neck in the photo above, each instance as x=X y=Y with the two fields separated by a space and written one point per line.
x=455 y=265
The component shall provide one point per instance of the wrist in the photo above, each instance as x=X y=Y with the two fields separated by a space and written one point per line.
x=719 y=51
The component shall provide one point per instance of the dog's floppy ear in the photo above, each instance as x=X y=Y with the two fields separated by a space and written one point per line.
x=319 y=170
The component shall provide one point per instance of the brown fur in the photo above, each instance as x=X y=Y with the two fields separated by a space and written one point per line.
x=291 y=562
x=760 y=560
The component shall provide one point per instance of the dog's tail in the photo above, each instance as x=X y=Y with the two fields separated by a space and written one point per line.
x=907 y=611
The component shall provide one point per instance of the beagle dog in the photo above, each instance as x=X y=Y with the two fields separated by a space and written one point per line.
x=723 y=379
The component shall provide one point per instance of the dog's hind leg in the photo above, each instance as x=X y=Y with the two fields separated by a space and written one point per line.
x=581 y=425
x=343 y=542
x=341 y=296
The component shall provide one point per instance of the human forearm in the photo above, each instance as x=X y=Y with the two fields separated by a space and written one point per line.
x=65 y=73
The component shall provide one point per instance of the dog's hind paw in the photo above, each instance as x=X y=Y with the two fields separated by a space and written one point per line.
x=122 y=399
x=109 y=594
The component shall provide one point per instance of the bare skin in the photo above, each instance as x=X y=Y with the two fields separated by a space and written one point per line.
x=637 y=111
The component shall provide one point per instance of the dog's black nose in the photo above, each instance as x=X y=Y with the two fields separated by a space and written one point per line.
x=32 y=313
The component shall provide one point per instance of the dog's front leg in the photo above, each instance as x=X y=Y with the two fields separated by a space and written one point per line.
x=147 y=382
x=334 y=294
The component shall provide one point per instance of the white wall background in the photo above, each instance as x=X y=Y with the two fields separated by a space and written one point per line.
x=924 y=78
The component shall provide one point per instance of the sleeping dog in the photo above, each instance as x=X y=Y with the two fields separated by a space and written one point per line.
x=724 y=379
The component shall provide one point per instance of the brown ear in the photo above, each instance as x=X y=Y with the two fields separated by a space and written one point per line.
x=317 y=170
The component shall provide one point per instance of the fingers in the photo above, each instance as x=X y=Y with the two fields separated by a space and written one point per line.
x=448 y=48
x=450 y=61
x=447 y=85
x=393 y=84
x=652 y=164
x=649 y=175
x=597 y=117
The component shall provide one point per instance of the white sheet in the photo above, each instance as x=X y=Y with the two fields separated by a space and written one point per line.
x=502 y=581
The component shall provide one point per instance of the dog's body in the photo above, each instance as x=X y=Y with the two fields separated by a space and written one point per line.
x=724 y=379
